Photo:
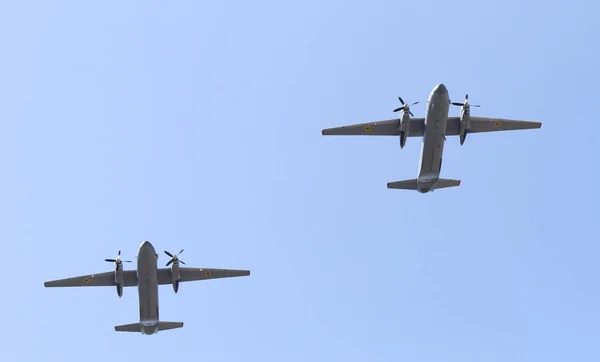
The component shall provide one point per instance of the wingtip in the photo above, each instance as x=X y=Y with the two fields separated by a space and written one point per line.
x=330 y=131
x=534 y=124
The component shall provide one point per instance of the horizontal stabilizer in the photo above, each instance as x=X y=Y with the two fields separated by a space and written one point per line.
x=163 y=326
x=403 y=185
x=412 y=184
x=134 y=327
x=446 y=182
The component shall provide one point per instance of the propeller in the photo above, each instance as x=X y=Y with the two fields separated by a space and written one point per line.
x=405 y=106
x=174 y=257
x=118 y=259
x=466 y=103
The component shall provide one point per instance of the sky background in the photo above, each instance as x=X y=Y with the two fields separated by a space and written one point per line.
x=197 y=125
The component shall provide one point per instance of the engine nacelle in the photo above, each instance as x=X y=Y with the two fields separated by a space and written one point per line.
x=464 y=125
x=118 y=272
x=404 y=128
x=119 y=280
x=175 y=275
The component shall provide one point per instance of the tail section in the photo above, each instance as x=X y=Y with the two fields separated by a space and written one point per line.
x=423 y=187
x=403 y=185
x=136 y=327
x=163 y=326
x=446 y=182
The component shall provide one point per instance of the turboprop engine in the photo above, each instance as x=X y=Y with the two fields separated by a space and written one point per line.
x=118 y=272
x=404 y=122
x=465 y=115
x=175 y=272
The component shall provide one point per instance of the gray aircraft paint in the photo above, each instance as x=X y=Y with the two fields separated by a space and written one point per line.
x=148 y=288
x=433 y=129
x=147 y=277
x=432 y=144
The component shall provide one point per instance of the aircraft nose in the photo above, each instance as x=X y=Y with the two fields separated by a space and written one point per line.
x=441 y=88
x=146 y=245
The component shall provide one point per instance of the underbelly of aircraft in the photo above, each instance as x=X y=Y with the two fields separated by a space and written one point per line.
x=433 y=148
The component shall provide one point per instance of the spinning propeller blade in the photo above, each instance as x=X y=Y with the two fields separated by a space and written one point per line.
x=174 y=257
x=465 y=103
x=118 y=259
x=405 y=106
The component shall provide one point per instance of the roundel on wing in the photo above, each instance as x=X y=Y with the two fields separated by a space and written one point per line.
x=85 y=280
x=368 y=128
x=497 y=124
x=207 y=273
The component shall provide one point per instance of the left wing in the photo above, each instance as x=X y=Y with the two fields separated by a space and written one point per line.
x=482 y=124
x=95 y=280
x=193 y=274
x=381 y=128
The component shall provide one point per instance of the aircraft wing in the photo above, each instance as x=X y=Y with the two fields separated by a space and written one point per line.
x=193 y=274
x=483 y=124
x=381 y=128
x=95 y=280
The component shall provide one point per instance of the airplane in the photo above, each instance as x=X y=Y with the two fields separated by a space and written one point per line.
x=433 y=130
x=147 y=278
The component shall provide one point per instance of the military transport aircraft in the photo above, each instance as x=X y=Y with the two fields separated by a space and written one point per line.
x=147 y=278
x=433 y=129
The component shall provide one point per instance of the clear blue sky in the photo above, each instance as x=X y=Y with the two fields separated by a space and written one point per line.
x=197 y=125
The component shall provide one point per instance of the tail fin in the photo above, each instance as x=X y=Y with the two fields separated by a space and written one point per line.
x=446 y=182
x=134 y=327
x=403 y=185
x=163 y=326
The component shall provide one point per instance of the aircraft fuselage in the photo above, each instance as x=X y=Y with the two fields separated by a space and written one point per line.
x=434 y=136
x=148 y=288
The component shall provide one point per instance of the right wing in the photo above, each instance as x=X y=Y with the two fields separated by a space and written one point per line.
x=193 y=274
x=95 y=280
x=382 y=128
x=488 y=124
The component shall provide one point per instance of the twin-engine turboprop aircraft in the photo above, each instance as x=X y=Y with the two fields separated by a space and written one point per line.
x=433 y=129
x=147 y=278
